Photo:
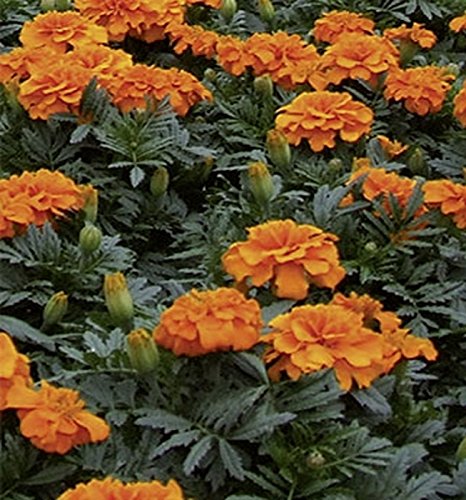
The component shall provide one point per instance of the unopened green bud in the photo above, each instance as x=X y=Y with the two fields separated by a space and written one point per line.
x=47 y=5
x=260 y=182
x=228 y=9
x=210 y=75
x=263 y=85
x=452 y=69
x=266 y=10
x=370 y=247
x=159 y=182
x=417 y=163
x=118 y=299
x=315 y=460
x=91 y=203
x=142 y=351
x=461 y=450
x=55 y=309
x=278 y=148
x=90 y=238
x=335 y=165
x=63 y=4
x=205 y=169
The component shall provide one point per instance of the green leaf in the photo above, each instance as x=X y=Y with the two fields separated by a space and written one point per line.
x=51 y=474
x=231 y=459
x=24 y=332
x=197 y=453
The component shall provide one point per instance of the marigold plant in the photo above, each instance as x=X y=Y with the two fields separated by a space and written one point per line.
x=416 y=34
x=449 y=197
x=14 y=369
x=332 y=24
x=319 y=117
x=423 y=90
x=201 y=322
x=110 y=488
x=54 y=419
x=291 y=255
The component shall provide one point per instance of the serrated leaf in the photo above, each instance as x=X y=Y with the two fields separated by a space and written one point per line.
x=231 y=459
x=161 y=419
x=197 y=453
x=24 y=332
x=51 y=474
x=179 y=439
x=136 y=176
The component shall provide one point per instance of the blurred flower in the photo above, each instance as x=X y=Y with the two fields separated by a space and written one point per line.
x=313 y=337
x=61 y=31
x=231 y=55
x=54 y=419
x=459 y=109
x=291 y=255
x=416 y=34
x=14 y=369
x=202 y=322
x=133 y=85
x=356 y=55
x=458 y=24
x=110 y=488
x=422 y=89
x=332 y=24
x=320 y=116
x=449 y=197
x=391 y=148
x=118 y=299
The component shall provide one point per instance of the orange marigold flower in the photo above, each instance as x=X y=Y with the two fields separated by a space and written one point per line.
x=232 y=55
x=334 y=23
x=423 y=89
x=20 y=62
x=391 y=148
x=449 y=197
x=458 y=24
x=459 y=109
x=57 y=89
x=287 y=59
x=15 y=212
x=110 y=488
x=54 y=419
x=61 y=31
x=356 y=55
x=289 y=254
x=14 y=369
x=209 y=321
x=130 y=88
x=201 y=42
x=313 y=337
x=416 y=34
x=320 y=116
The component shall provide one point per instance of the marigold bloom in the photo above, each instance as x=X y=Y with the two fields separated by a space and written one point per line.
x=232 y=55
x=201 y=42
x=355 y=55
x=459 y=109
x=54 y=419
x=458 y=24
x=209 y=321
x=130 y=88
x=287 y=59
x=290 y=255
x=14 y=369
x=391 y=148
x=61 y=31
x=332 y=24
x=18 y=64
x=423 y=89
x=449 y=197
x=320 y=116
x=415 y=34
x=110 y=488
x=313 y=337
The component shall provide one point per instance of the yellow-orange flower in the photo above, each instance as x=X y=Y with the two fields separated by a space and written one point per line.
x=61 y=31
x=18 y=64
x=201 y=42
x=391 y=148
x=290 y=255
x=415 y=34
x=110 y=488
x=356 y=55
x=57 y=89
x=232 y=55
x=14 y=369
x=202 y=322
x=459 y=109
x=449 y=197
x=54 y=419
x=287 y=59
x=334 y=23
x=458 y=24
x=423 y=90
x=320 y=116
x=313 y=337
x=130 y=88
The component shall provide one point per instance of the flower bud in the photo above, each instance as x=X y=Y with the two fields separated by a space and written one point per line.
x=417 y=163
x=228 y=9
x=315 y=460
x=142 y=351
x=278 y=148
x=266 y=10
x=370 y=247
x=159 y=182
x=90 y=238
x=335 y=165
x=461 y=450
x=118 y=299
x=91 y=202
x=55 y=309
x=263 y=85
x=47 y=5
x=260 y=182
x=210 y=75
